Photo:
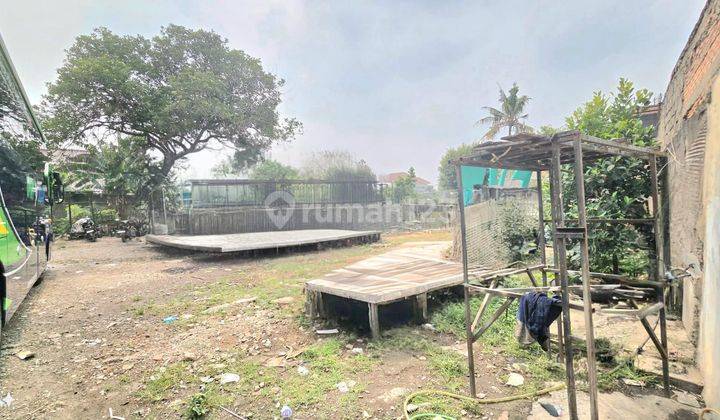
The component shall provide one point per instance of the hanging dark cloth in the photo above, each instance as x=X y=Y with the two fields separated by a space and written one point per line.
x=536 y=313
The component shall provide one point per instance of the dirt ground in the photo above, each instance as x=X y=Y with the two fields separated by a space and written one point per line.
x=96 y=327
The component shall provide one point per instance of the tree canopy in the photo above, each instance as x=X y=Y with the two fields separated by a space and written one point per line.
x=403 y=189
x=273 y=170
x=337 y=166
x=510 y=115
x=447 y=179
x=615 y=187
x=176 y=93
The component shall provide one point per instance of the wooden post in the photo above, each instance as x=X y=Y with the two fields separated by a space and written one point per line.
x=311 y=302
x=556 y=279
x=374 y=320
x=541 y=227
x=421 y=307
x=659 y=257
x=559 y=247
x=70 y=222
x=587 y=296
x=466 y=281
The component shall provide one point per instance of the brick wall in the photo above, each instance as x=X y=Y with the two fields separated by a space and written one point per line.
x=682 y=133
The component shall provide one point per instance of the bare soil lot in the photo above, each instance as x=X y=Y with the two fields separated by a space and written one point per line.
x=96 y=327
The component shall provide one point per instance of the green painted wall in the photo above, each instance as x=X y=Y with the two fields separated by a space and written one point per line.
x=474 y=175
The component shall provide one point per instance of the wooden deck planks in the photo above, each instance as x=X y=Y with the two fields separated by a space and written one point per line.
x=398 y=274
x=258 y=240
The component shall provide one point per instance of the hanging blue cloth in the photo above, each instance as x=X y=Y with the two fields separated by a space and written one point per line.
x=537 y=312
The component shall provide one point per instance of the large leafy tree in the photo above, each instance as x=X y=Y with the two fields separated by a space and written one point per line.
x=510 y=115
x=615 y=187
x=447 y=179
x=122 y=168
x=176 y=94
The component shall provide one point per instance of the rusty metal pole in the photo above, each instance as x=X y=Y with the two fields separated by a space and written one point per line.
x=587 y=297
x=466 y=281
x=659 y=259
x=559 y=246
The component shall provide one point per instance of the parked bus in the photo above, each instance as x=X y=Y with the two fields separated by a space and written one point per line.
x=28 y=189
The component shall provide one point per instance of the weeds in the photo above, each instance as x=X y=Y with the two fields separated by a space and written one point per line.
x=198 y=406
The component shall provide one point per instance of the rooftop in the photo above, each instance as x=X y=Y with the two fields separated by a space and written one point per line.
x=534 y=152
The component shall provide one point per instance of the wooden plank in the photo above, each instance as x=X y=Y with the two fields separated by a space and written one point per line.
x=483 y=306
x=505 y=272
x=616 y=277
x=531 y=277
x=546 y=289
x=493 y=318
x=650 y=310
x=658 y=345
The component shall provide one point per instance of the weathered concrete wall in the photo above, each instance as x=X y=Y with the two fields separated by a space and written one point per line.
x=709 y=347
x=683 y=134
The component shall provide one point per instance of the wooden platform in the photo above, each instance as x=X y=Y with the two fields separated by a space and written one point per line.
x=240 y=242
x=409 y=272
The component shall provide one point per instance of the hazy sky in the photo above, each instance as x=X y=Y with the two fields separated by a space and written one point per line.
x=394 y=82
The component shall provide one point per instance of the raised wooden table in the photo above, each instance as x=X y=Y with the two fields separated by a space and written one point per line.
x=409 y=272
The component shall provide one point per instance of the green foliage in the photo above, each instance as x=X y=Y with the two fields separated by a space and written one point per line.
x=518 y=232
x=403 y=189
x=198 y=406
x=510 y=114
x=547 y=130
x=176 y=93
x=447 y=179
x=272 y=170
x=337 y=166
x=107 y=215
x=616 y=187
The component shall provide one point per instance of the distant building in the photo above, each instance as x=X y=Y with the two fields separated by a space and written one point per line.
x=421 y=185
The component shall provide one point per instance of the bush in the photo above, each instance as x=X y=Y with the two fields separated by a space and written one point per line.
x=518 y=233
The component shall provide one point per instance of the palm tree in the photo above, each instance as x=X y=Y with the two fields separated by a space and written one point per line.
x=510 y=116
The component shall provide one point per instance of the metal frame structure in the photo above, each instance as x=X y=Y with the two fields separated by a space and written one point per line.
x=538 y=154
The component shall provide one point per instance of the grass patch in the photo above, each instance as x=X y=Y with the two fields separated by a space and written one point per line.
x=268 y=279
x=446 y=363
x=326 y=360
x=500 y=338
x=610 y=380
x=164 y=380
